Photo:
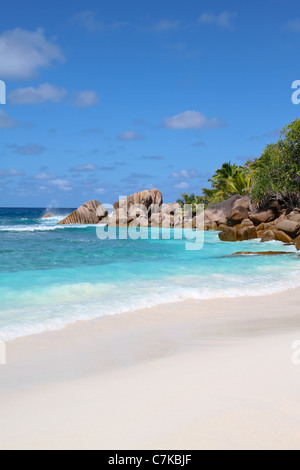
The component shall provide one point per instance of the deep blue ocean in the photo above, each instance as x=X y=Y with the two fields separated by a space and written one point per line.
x=53 y=275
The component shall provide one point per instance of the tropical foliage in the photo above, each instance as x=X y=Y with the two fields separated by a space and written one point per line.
x=192 y=200
x=275 y=176
x=277 y=171
x=227 y=181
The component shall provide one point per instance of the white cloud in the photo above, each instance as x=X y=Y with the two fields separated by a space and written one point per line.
x=23 y=53
x=193 y=173
x=61 y=184
x=88 y=19
x=183 y=185
x=223 y=20
x=12 y=172
x=191 y=120
x=130 y=135
x=100 y=191
x=84 y=168
x=166 y=25
x=44 y=177
x=42 y=94
x=28 y=149
x=50 y=93
x=293 y=25
x=7 y=122
x=85 y=99
x=153 y=158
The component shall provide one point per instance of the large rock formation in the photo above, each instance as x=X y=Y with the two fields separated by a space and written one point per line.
x=218 y=213
x=238 y=219
x=237 y=215
x=91 y=212
x=262 y=217
x=137 y=210
x=233 y=234
x=235 y=218
x=144 y=198
x=297 y=243
x=278 y=235
x=289 y=227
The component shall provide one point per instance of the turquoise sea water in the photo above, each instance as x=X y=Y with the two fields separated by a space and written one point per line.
x=54 y=275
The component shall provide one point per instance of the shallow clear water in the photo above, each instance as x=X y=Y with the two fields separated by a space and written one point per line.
x=53 y=275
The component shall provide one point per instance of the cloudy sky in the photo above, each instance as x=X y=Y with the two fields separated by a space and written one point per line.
x=108 y=98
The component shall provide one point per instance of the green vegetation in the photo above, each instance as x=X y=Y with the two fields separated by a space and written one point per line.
x=190 y=199
x=228 y=181
x=275 y=176
x=277 y=171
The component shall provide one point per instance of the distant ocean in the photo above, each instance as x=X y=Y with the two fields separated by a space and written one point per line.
x=53 y=275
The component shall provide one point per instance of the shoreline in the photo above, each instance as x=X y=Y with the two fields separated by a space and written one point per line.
x=197 y=374
x=293 y=285
x=168 y=315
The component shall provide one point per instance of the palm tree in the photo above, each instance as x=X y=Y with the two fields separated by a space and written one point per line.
x=241 y=183
x=190 y=199
x=222 y=175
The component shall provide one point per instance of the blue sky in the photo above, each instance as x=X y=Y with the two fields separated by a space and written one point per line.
x=108 y=98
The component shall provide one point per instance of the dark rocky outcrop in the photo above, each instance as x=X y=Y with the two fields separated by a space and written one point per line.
x=262 y=253
x=274 y=234
x=289 y=227
x=233 y=234
x=236 y=220
x=144 y=198
x=297 y=243
x=218 y=212
x=237 y=215
x=262 y=217
x=91 y=212
x=138 y=210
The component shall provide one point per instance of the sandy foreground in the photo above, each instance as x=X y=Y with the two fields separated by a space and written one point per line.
x=212 y=374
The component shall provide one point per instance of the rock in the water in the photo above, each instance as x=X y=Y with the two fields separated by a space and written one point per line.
x=229 y=234
x=247 y=223
x=297 y=243
x=141 y=222
x=132 y=210
x=262 y=253
x=278 y=235
x=247 y=233
x=156 y=219
x=232 y=234
x=91 y=212
x=264 y=227
x=211 y=226
x=47 y=216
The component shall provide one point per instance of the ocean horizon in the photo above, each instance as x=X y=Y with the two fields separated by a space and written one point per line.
x=54 y=275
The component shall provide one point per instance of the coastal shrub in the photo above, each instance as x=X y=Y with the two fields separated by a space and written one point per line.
x=274 y=176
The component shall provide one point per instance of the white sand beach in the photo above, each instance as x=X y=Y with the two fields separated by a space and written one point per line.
x=211 y=374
